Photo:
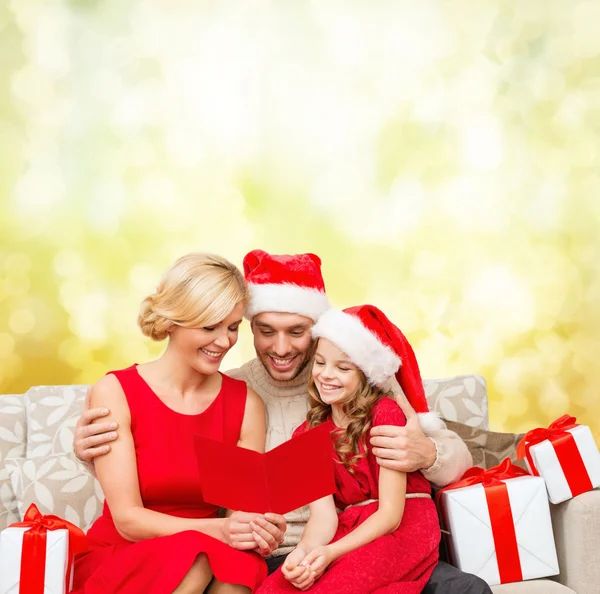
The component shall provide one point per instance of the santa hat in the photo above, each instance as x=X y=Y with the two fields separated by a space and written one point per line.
x=380 y=350
x=287 y=283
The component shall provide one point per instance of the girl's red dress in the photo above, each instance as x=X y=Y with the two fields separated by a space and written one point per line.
x=397 y=563
x=169 y=483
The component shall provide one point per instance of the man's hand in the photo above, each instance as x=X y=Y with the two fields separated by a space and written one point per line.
x=92 y=440
x=268 y=532
x=407 y=448
x=298 y=575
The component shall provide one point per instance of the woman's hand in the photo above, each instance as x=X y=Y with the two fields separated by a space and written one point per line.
x=268 y=532
x=298 y=575
x=238 y=532
x=318 y=560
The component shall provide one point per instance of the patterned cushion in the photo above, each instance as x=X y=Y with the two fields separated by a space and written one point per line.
x=488 y=448
x=12 y=445
x=52 y=413
x=57 y=484
x=8 y=500
x=462 y=399
x=12 y=426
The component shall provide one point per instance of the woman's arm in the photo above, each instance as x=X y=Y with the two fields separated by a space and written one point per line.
x=253 y=434
x=117 y=473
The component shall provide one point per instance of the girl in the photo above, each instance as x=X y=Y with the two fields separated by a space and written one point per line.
x=386 y=536
x=156 y=535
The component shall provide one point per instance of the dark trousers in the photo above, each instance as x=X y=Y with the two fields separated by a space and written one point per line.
x=447 y=579
x=273 y=563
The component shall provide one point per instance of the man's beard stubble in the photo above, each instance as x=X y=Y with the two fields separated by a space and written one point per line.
x=307 y=361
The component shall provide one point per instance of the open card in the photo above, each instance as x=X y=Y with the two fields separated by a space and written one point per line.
x=290 y=476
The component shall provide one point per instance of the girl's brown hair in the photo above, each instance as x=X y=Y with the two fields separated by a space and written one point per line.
x=357 y=408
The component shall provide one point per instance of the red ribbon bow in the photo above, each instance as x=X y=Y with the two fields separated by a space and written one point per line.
x=501 y=518
x=566 y=450
x=492 y=476
x=555 y=430
x=33 y=552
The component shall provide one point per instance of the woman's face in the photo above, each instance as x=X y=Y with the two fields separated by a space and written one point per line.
x=204 y=348
x=336 y=377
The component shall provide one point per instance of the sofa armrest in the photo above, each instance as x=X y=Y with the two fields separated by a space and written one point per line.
x=576 y=524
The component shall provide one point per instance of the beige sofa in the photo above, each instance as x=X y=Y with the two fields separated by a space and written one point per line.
x=37 y=465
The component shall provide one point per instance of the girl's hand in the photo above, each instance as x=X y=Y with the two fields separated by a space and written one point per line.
x=318 y=560
x=298 y=575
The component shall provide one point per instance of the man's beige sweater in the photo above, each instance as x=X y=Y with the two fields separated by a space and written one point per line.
x=286 y=405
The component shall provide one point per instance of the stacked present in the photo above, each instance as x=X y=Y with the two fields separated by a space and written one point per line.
x=565 y=455
x=36 y=555
x=499 y=519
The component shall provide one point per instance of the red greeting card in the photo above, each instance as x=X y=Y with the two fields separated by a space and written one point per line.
x=286 y=478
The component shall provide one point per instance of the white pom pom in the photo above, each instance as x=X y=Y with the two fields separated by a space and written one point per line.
x=430 y=423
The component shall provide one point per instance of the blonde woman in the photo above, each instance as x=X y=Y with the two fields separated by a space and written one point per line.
x=386 y=536
x=156 y=535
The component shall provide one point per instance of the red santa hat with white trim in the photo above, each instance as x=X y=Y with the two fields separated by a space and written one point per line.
x=379 y=349
x=285 y=283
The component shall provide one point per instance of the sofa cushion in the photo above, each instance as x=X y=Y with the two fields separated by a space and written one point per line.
x=52 y=413
x=533 y=587
x=576 y=525
x=13 y=427
x=462 y=399
x=58 y=484
x=488 y=448
x=8 y=500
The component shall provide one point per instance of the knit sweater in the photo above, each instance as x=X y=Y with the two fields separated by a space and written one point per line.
x=286 y=405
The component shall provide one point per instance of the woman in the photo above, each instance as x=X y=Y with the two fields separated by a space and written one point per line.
x=385 y=538
x=156 y=535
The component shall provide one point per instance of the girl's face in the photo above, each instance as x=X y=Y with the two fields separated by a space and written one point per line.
x=336 y=377
x=204 y=348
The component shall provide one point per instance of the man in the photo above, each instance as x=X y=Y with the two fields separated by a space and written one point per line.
x=287 y=295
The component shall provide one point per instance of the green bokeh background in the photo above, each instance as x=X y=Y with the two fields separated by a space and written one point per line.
x=443 y=158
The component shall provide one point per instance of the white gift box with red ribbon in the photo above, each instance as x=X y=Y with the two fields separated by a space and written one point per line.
x=36 y=555
x=56 y=580
x=499 y=525
x=565 y=455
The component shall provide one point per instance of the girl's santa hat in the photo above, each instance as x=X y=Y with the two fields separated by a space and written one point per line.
x=287 y=284
x=380 y=350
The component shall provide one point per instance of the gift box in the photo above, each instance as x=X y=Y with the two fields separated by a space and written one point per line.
x=565 y=455
x=499 y=525
x=36 y=555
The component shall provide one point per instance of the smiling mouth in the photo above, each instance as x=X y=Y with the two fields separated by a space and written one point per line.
x=212 y=354
x=282 y=364
x=329 y=387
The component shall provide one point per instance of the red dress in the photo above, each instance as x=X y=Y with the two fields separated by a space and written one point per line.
x=397 y=563
x=170 y=484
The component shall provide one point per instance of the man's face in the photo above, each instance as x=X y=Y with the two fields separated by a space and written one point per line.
x=283 y=343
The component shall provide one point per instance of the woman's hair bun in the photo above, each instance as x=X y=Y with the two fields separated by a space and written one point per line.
x=152 y=324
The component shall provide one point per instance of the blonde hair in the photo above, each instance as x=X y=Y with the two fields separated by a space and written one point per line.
x=198 y=290
x=358 y=408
